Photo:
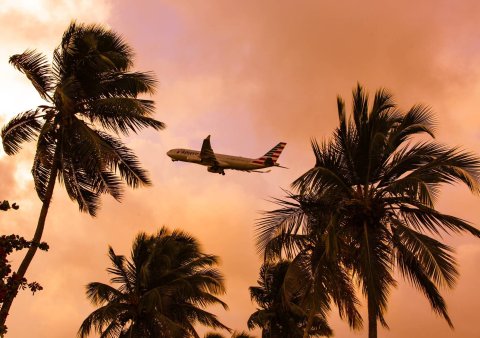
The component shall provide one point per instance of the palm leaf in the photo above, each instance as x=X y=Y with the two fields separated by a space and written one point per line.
x=213 y=335
x=422 y=217
x=102 y=317
x=113 y=330
x=327 y=171
x=412 y=268
x=126 y=84
x=99 y=293
x=418 y=119
x=122 y=115
x=22 y=128
x=119 y=271
x=279 y=224
x=43 y=162
x=124 y=160
x=94 y=156
x=78 y=184
x=434 y=258
x=35 y=66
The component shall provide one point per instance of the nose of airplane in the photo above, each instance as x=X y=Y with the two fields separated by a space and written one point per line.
x=170 y=153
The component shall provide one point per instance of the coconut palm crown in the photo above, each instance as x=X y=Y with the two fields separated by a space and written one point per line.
x=371 y=197
x=161 y=291
x=90 y=91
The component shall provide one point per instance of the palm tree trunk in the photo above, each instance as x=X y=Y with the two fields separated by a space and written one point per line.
x=37 y=237
x=372 y=318
x=311 y=315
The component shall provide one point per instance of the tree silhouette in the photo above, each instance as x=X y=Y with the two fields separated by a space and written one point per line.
x=89 y=90
x=161 y=291
x=283 y=310
x=372 y=194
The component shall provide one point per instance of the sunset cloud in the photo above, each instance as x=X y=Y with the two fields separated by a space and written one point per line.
x=251 y=74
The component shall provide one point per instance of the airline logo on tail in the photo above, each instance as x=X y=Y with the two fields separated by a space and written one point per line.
x=270 y=158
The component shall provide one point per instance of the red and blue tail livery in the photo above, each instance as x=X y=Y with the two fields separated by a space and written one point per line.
x=270 y=158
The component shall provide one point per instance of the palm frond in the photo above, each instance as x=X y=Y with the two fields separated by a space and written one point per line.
x=259 y=318
x=102 y=317
x=113 y=330
x=422 y=217
x=327 y=172
x=35 y=66
x=119 y=272
x=122 y=115
x=100 y=293
x=412 y=268
x=22 y=128
x=360 y=106
x=435 y=164
x=382 y=103
x=43 y=162
x=242 y=334
x=434 y=258
x=78 y=184
x=204 y=317
x=94 y=156
x=279 y=224
x=125 y=84
x=418 y=119
x=124 y=160
x=213 y=335
x=106 y=49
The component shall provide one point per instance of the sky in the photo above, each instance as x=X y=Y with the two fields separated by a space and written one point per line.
x=250 y=74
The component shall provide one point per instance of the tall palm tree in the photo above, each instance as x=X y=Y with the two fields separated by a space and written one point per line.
x=375 y=187
x=283 y=311
x=90 y=90
x=161 y=291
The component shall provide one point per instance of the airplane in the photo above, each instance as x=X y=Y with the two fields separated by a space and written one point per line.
x=217 y=163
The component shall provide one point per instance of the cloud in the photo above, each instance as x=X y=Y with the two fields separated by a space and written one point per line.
x=251 y=74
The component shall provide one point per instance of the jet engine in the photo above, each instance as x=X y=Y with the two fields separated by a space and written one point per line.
x=216 y=170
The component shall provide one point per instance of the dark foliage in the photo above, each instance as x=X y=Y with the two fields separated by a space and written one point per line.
x=10 y=282
x=369 y=203
x=161 y=291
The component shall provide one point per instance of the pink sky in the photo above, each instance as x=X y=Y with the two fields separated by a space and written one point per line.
x=251 y=74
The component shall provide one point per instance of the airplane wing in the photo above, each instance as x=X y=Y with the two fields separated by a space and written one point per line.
x=206 y=154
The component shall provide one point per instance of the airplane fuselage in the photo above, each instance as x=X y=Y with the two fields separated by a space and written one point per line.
x=217 y=163
x=224 y=161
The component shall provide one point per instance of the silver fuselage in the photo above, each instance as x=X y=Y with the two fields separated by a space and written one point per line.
x=224 y=161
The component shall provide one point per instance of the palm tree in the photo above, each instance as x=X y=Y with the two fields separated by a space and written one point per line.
x=89 y=90
x=283 y=310
x=301 y=231
x=375 y=189
x=161 y=291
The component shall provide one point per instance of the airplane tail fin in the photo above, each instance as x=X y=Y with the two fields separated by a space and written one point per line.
x=270 y=158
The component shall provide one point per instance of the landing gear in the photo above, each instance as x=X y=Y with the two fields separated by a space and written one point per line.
x=217 y=170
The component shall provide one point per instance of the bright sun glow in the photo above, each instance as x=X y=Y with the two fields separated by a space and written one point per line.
x=50 y=17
